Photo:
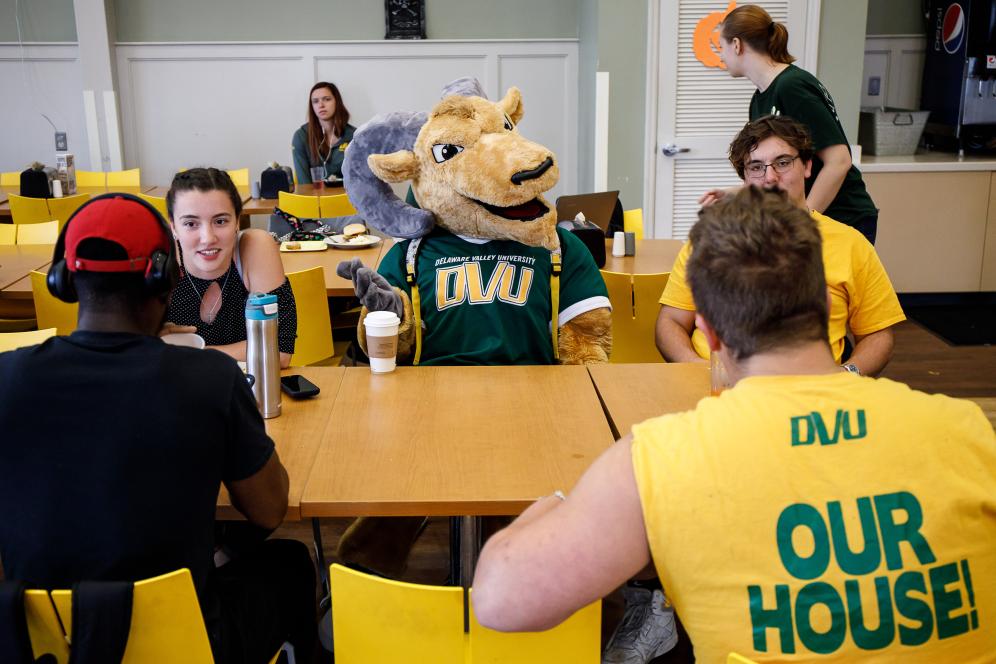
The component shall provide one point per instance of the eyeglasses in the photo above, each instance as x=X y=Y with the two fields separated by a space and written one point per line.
x=757 y=169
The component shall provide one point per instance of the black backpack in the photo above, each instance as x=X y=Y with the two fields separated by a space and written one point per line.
x=275 y=179
x=36 y=181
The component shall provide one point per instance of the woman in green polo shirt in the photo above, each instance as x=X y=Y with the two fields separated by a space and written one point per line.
x=755 y=46
x=322 y=140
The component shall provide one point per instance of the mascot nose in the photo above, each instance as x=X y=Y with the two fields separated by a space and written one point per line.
x=533 y=173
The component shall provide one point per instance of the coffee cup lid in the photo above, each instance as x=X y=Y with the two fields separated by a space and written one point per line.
x=382 y=318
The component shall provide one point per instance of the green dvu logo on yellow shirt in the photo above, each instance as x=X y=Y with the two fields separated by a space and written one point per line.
x=807 y=429
x=464 y=283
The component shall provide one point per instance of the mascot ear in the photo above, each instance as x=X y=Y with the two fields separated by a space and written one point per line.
x=399 y=166
x=512 y=104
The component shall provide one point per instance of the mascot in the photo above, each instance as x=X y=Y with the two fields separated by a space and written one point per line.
x=481 y=274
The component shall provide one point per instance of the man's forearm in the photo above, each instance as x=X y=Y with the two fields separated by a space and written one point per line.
x=674 y=342
x=872 y=352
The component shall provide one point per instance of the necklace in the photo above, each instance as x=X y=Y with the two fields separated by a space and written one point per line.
x=208 y=317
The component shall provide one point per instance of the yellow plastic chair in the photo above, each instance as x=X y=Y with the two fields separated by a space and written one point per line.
x=8 y=233
x=61 y=209
x=44 y=233
x=297 y=205
x=166 y=621
x=240 y=177
x=25 y=210
x=158 y=202
x=91 y=179
x=577 y=640
x=47 y=637
x=10 y=179
x=633 y=222
x=635 y=307
x=379 y=620
x=49 y=311
x=314 y=327
x=14 y=340
x=735 y=658
x=336 y=206
x=129 y=178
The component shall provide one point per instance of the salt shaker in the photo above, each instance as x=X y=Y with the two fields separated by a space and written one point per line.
x=262 y=354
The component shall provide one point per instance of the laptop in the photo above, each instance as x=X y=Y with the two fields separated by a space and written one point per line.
x=597 y=208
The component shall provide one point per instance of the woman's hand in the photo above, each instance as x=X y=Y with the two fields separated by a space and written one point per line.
x=173 y=328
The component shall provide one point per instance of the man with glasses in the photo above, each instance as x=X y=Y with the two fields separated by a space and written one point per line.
x=776 y=152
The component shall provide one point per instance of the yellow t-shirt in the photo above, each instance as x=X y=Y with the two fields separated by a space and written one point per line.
x=861 y=295
x=831 y=515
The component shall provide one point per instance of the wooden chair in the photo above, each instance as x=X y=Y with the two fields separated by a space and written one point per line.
x=26 y=210
x=577 y=640
x=44 y=233
x=305 y=207
x=633 y=222
x=635 y=307
x=336 y=206
x=379 y=620
x=49 y=311
x=240 y=177
x=61 y=209
x=47 y=637
x=314 y=327
x=8 y=233
x=91 y=179
x=10 y=179
x=14 y=340
x=129 y=178
x=158 y=202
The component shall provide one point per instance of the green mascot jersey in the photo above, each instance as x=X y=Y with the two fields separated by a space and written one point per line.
x=488 y=301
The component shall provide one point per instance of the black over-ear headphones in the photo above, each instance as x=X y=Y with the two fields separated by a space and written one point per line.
x=161 y=274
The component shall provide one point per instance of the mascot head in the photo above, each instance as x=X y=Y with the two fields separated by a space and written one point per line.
x=471 y=171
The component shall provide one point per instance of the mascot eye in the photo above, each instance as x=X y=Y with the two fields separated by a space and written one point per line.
x=508 y=124
x=445 y=151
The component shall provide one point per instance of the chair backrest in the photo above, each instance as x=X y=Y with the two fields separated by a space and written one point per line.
x=158 y=202
x=166 y=621
x=379 y=620
x=14 y=340
x=635 y=307
x=10 y=179
x=8 y=233
x=129 y=178
x=577 y=640
x=44 y=629
x=298 y=205
x=240 y=177
x=91 y=179
x=49 y=311
x=27 y=210
x=61 y=209
x=44 y=233
x=633 y=222
x=314 y=327
x=336 y=206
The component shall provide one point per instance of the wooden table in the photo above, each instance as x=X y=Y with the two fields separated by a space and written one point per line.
x=17 y=260
x=335 y=286
x=454 y=440
x=652 y=256
x=297 y=434
x=632 y=393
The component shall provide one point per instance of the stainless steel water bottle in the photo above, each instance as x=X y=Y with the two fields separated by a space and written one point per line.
x=262 y=354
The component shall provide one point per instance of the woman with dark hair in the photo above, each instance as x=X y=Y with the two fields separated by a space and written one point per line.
x=322 y=140
x=755 y=46
x=221 y=265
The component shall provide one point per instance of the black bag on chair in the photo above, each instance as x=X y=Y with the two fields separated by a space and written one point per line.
x=36 y=181
x=275 y=179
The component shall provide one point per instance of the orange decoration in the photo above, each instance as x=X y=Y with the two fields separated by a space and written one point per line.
x=705 y=40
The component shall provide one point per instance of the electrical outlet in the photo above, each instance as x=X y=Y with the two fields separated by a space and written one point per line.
x=61 y=142
x=874 y=86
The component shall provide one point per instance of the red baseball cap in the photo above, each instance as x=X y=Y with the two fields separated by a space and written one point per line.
x=122 y=220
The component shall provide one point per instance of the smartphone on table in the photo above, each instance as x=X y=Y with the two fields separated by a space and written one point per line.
x=298 y=387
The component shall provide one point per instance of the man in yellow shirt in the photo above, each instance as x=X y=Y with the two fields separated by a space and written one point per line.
x=776 y=153
x=806 y=514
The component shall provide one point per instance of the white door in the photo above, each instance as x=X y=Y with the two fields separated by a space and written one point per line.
x=700 y=108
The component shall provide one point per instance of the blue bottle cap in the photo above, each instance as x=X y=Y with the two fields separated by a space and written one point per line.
x=261 y=306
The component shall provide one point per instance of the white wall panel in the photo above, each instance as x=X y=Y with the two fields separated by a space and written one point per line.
x=47 y=81
x=897 y=61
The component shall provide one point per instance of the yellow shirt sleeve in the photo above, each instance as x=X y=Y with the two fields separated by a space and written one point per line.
x=874 y=305
x=677 y=293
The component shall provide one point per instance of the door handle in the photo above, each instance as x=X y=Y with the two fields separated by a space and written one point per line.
x=670 y=149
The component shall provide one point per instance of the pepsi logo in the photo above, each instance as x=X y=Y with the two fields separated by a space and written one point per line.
x=953 y=30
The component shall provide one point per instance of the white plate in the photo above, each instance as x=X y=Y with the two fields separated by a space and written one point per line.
x=184 y=339
x=358 y=242
x=304 y=245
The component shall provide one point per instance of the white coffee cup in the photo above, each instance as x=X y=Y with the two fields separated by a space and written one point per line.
x=188 y=339
x=619 y=244
x=382 y=340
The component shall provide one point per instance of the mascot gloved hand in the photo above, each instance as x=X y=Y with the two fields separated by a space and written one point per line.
x=482 y=274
